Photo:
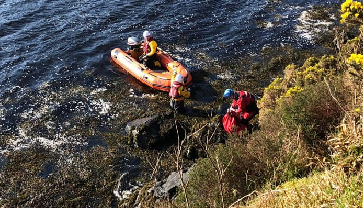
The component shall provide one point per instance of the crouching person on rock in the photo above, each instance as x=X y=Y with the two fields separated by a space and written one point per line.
x=242 y=110
x=178 y=92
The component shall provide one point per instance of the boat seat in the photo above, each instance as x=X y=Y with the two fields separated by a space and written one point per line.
x=159 y=71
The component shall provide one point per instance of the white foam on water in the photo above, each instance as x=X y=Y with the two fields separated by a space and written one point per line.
x=2 y=113
x=269 y=25
x=98 y=90
x=124 y=194
x=34 y=114
x=309 y=27
x=226 y=75
x=101 y=106
x=24 y=141
x=147 y=95
x=116 y=191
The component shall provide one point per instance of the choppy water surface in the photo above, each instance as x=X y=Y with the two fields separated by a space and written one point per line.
x=55 y=74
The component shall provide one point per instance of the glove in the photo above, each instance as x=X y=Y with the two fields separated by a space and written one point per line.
x=230 y=110
x=143 y=57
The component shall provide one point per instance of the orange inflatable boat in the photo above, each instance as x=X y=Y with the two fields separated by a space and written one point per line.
x=158 y=78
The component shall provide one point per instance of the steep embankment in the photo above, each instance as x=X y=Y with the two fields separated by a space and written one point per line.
x=336 y=176
x=308 y=149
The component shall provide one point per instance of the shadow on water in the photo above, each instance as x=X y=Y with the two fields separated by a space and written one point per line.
x=201 y=90
x=95 y=141
x=49 y=169
x=3 y=161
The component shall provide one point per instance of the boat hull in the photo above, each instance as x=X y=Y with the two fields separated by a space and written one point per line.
x=160 y=78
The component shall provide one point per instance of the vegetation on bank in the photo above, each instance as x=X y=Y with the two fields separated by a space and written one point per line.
x=308 y=151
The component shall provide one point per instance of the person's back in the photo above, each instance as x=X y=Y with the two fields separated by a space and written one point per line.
x=243 y=101
x=134 y=47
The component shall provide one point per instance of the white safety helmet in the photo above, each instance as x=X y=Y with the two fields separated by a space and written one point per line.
x=179 y=78
x=132 y=41
x=146 y=33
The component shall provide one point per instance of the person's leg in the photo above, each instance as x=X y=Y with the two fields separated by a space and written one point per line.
x=172 y=103
x=248 y=115
x=181 y=108
x=150 y=60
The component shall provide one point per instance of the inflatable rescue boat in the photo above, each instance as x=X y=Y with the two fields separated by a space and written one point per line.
x=158 y=78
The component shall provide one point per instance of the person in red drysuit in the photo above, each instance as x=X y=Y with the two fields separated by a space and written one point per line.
x=242 y=110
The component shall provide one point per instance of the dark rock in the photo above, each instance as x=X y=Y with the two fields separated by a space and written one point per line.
x=171 y=185
x=148 y=132
x=192 y=152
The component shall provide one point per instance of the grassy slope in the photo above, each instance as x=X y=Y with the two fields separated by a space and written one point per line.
x=309 y=149
x=336 y=178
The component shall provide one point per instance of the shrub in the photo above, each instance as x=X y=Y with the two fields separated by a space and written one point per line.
x=315 y=110
x=326 y=189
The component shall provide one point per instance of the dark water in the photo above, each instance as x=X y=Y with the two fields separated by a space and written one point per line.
x=47 y=40
x=54 y=58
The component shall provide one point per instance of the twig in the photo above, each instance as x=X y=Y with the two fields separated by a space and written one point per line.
x=331 y=94
x=179 y=162
x=240 y=199
x=155 y=166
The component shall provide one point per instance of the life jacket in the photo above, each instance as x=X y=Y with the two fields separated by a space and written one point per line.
x=135 y=52
x=146 y=45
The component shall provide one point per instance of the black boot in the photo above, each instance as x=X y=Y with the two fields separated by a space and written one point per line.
x=249 y=128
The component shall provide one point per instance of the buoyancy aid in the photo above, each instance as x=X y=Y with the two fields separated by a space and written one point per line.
x=135 y=52
x=178 y=92
x=149 y=46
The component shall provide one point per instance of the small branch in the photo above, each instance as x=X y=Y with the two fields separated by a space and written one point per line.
x=155 y=166
x=331 y=94
x=240 y=199
x=179 y=162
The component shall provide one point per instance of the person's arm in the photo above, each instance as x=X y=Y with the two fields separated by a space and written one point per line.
x=153 y=46
x=236 y=106
x=183 y=91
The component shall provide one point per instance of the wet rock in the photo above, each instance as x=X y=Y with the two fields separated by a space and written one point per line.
x=150 y=131
x=191 y=152
x=223 y=107
x=126 y=186
x=169 y=188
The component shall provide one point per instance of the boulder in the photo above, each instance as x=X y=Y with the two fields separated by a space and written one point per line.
x=149 y=131
x=169 y=188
